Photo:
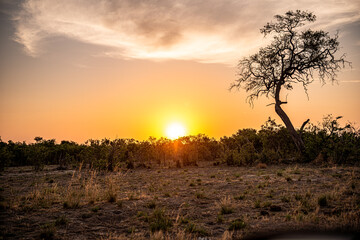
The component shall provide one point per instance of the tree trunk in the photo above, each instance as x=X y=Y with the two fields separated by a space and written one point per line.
x=289 y=126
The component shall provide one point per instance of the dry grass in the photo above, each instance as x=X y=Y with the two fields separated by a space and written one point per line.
x=226 y=205
x=111 y=189
x=206 y=209
x=73 y=194
x=92 y=191
x=227 y=235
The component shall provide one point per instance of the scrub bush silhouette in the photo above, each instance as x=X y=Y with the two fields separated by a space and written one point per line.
x=327 y=142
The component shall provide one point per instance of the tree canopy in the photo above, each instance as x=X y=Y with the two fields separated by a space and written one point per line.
x=294 y=56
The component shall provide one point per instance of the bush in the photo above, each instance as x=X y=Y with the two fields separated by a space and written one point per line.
x=158 y=220
x=328 y=142
x=237 y=224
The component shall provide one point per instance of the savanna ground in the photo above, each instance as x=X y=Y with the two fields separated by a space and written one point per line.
x=205 y=202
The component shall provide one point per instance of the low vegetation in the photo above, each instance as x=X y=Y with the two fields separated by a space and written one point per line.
x=326 y=143
x=159 y=220
x=143 y=203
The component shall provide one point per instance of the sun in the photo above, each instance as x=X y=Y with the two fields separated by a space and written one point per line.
x=175 y=130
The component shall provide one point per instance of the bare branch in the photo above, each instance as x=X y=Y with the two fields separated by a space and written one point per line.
x=293 y=57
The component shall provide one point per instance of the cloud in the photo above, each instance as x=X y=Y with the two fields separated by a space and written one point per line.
x=204 y=31
x=350 y=81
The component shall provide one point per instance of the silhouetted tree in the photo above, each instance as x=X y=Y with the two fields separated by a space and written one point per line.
x=294 y=56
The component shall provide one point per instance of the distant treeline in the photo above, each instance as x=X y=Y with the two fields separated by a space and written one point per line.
x=326 y=142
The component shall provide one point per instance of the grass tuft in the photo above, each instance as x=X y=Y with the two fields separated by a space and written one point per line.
x=159 y=220
x=151 y=204
x=257 y=204
x=200 y=195
x=194 y=229
x=111 y=194
x=237 y=224
x=240 y=197
x=226 y=205
x=61 y=221
x=48 y=231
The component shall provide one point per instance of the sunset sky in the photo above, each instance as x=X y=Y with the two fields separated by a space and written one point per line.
x=74 y=70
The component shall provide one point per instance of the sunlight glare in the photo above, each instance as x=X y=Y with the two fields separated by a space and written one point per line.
x=175 y=130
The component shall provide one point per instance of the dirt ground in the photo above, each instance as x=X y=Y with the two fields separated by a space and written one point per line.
x=205 y=202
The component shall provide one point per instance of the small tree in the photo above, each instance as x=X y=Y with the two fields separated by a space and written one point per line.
x=294 y=56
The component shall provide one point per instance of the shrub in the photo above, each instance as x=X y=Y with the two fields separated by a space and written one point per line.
x=269 y=156
x=158 y=220
x=327 y=142
x=237 y=224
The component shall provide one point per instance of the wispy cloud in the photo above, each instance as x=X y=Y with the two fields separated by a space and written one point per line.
x=350 y=81
x=205 y=31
